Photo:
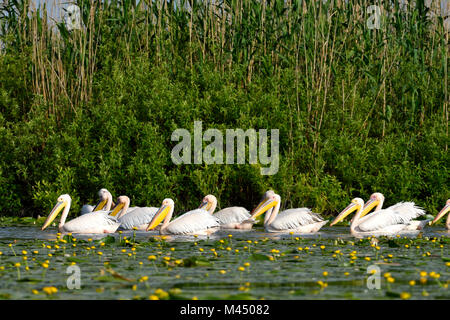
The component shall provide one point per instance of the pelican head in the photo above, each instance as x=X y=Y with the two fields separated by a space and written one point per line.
x=374 y=200
x=122 y=201
x=208 y=202
x=356 y=204
x=269 y=200
x=103 y=195
x=63 y=201
x=166 y=207
x=443 y=212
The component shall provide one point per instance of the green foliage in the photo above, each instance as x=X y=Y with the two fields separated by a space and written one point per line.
x=358 y=110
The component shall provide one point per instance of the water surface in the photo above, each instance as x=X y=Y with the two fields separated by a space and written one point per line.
x=272 y=266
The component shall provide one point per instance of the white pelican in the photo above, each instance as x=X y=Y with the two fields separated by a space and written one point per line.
x=138 y=218
x=194 y=222
x=94 y=222
x=105 y=203
x=229 y=218
x=301 y=220
x=377 y=199
x=444 y=210
x=392 y=220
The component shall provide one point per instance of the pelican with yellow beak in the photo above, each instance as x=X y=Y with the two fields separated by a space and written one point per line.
x=443 y=212
x=95 y=222
x=392 y=220
x=137 y=217
x=299 y=220
x=377 y=199
x=229 y=218
x=105 y=203
x=194 y=222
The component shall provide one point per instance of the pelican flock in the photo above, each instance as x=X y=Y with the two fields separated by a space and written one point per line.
x=393 y=220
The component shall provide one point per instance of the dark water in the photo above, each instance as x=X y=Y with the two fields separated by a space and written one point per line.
x=275 y=266
x=26 y=233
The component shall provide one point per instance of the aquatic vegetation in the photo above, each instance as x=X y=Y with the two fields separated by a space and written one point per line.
x=279 y=267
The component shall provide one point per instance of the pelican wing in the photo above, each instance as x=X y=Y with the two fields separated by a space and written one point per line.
x=294 y=218
x=401 y=213
x=232 y=215
x=368 y=216
x=407 y=209
x=137 y=217
x=86 y=208
x=90 y=222
x=134 y=208
x=193 y=221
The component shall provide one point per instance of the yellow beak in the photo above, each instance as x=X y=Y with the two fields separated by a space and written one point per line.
x=350 y=208
x=205 y=205
x=117 y=209
x=442 y=213
x=159 y=216
x=100 y=205
x=263 y=206
x=54 y=213
x=369 y=206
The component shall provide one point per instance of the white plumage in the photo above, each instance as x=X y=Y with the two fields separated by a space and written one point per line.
x=232 y=215
x=94 y=222
x=87 y=208
x=300 y=220
x=295 y=218
x=229 y=218
x=193 y=222
x=138 y=218
x=393 y=220
x=399 y=214
x=105 y=202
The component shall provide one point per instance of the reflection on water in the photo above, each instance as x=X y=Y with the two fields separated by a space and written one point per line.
x=341 y=232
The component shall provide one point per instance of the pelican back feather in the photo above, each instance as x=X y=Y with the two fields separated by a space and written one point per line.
x=86 y=208
x=88 y=221
x=193 y=221
x=232 y=215
x=139 y=216
x=401 y=213
x=294 y=218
